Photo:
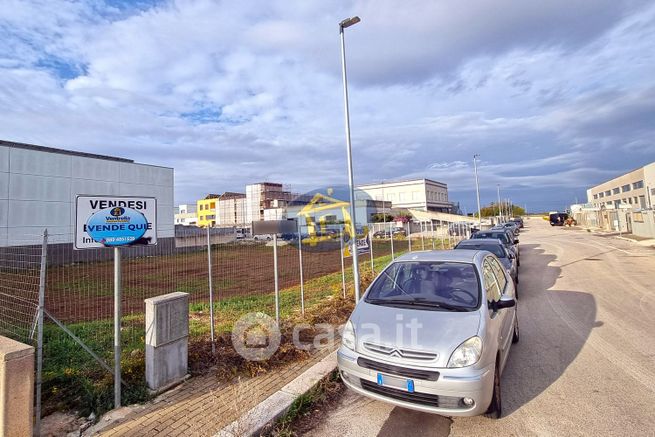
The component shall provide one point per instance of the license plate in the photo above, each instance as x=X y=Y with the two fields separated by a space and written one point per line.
x=392 y=381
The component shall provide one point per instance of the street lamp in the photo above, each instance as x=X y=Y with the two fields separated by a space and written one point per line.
x=499 y=212
x=344 y=24
x=477 y=189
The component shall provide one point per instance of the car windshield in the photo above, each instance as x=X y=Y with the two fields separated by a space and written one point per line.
x=502 y=236
x=496 y=249
x=438 y=285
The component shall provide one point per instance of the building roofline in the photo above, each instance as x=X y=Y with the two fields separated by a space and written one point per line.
x=400 y=181
x=621 y=175
x=62 y=151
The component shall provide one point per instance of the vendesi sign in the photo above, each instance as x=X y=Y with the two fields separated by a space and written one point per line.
x=110 y=221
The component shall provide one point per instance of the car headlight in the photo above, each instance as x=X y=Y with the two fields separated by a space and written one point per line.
x=467 y=353
x=348 y=335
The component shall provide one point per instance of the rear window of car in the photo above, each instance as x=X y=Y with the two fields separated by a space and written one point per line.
x=493 y=248
x=502 y=236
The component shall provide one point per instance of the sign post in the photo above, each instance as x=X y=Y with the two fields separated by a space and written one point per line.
x=115 y=221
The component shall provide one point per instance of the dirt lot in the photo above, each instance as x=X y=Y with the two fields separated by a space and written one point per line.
x=84 y=291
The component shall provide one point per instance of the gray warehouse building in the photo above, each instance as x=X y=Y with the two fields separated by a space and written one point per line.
x=38 y=186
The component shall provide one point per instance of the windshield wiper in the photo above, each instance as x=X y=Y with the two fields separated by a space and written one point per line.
x=416 y=302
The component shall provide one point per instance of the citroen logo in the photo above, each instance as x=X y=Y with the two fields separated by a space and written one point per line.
x=396 y=353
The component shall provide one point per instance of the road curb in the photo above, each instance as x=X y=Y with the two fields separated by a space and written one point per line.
x=253 y=422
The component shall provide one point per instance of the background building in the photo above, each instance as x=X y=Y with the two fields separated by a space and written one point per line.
x=207 y=210
x=263 y=196
x=231 y=209
x=186 y=215
x=635 y=189
x=38 y=186
x=421 y=194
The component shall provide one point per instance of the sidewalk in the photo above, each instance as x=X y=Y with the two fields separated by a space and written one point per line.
x=202 y=406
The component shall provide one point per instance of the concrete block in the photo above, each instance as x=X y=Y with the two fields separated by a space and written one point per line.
x=167 y=339
x=16 y=388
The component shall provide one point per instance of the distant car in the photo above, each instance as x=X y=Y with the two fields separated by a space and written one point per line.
x=464 y=304
x=399 y=231
x=557 y=218
x=519 y=222
x=263 y=237
x=506 y=237
x=506 y=258
x=509 y=225
x=382 y=234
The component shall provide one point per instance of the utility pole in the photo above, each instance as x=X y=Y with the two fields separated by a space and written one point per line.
x=477 y=189
x=499 y=205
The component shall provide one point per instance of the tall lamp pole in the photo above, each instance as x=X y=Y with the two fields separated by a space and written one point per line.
x=344 y=24
x=477 y=189
x=499 y=211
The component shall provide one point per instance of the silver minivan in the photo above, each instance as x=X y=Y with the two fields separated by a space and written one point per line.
x=433 y=333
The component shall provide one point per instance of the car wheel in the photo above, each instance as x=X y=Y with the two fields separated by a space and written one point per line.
x=495 y=407
x=518 y=262
x=516 y=288
x=516 y=336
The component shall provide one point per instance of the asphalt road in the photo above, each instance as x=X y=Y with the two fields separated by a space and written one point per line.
x=585 y=364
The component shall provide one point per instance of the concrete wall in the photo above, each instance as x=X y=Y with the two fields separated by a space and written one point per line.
x=645 y=228
x=38 y=189
x=16 y=388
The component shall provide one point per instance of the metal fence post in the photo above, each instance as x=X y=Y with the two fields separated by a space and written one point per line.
x=117 y=327
x=409 y=236
x=39 y=341
x=443 y=246
x=211 y=292
x=422 y=237
x=277 y=286
x=370 y=249
x=432 y=232
x=302 y=283
x=343 y=269
x=391 y=236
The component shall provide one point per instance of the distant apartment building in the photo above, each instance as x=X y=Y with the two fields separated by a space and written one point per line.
x=231 y=209
x=421 y=194
x=38 y=187
x=265 y=196
x=206 y=210
x=635 y=189
x=186 y=215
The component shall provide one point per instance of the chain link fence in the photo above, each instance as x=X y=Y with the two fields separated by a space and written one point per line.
x=77 y=293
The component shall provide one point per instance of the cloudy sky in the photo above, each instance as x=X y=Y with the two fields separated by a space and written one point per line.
x=555 y=96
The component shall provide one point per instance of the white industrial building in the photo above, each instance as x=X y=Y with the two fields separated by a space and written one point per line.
x=420 y=194
x=38 y=186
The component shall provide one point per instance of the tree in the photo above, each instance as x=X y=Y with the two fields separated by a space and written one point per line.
x=381 y=218
x=492 y=210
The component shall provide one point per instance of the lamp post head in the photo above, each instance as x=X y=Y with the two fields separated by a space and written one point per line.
x=349 y=22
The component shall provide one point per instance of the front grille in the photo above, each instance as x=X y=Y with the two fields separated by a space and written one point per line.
x=426 y=375
x=402 y=353
x=430 y=400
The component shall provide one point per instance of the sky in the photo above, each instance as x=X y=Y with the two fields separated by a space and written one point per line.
x=554 y=96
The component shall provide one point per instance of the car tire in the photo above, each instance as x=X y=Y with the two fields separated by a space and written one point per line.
x=518 y=262
x=495 y=407
x=516 y=336
x=516 y=288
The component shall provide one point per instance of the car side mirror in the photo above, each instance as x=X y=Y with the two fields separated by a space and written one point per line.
x=505 y=302
x=511 y=256
x=516 y=241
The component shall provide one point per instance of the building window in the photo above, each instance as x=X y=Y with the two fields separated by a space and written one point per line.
x=630 y=200
x=595 y=196
x=637 y=185
x=212 y=205
x=401 y=197
x=608 y=193
x=616 y=190
x=601 y=195
x=416 y=195
x=625 y=188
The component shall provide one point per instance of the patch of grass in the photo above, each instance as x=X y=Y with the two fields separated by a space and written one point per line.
x=295 y=421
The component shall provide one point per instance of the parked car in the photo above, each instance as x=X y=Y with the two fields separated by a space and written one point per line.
x=508 y=225
x=506 y=237
x=399 y=231
x=557 y=218
x=519 y=222
x=382 y=234
x=463 y=309
x=507 y=259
